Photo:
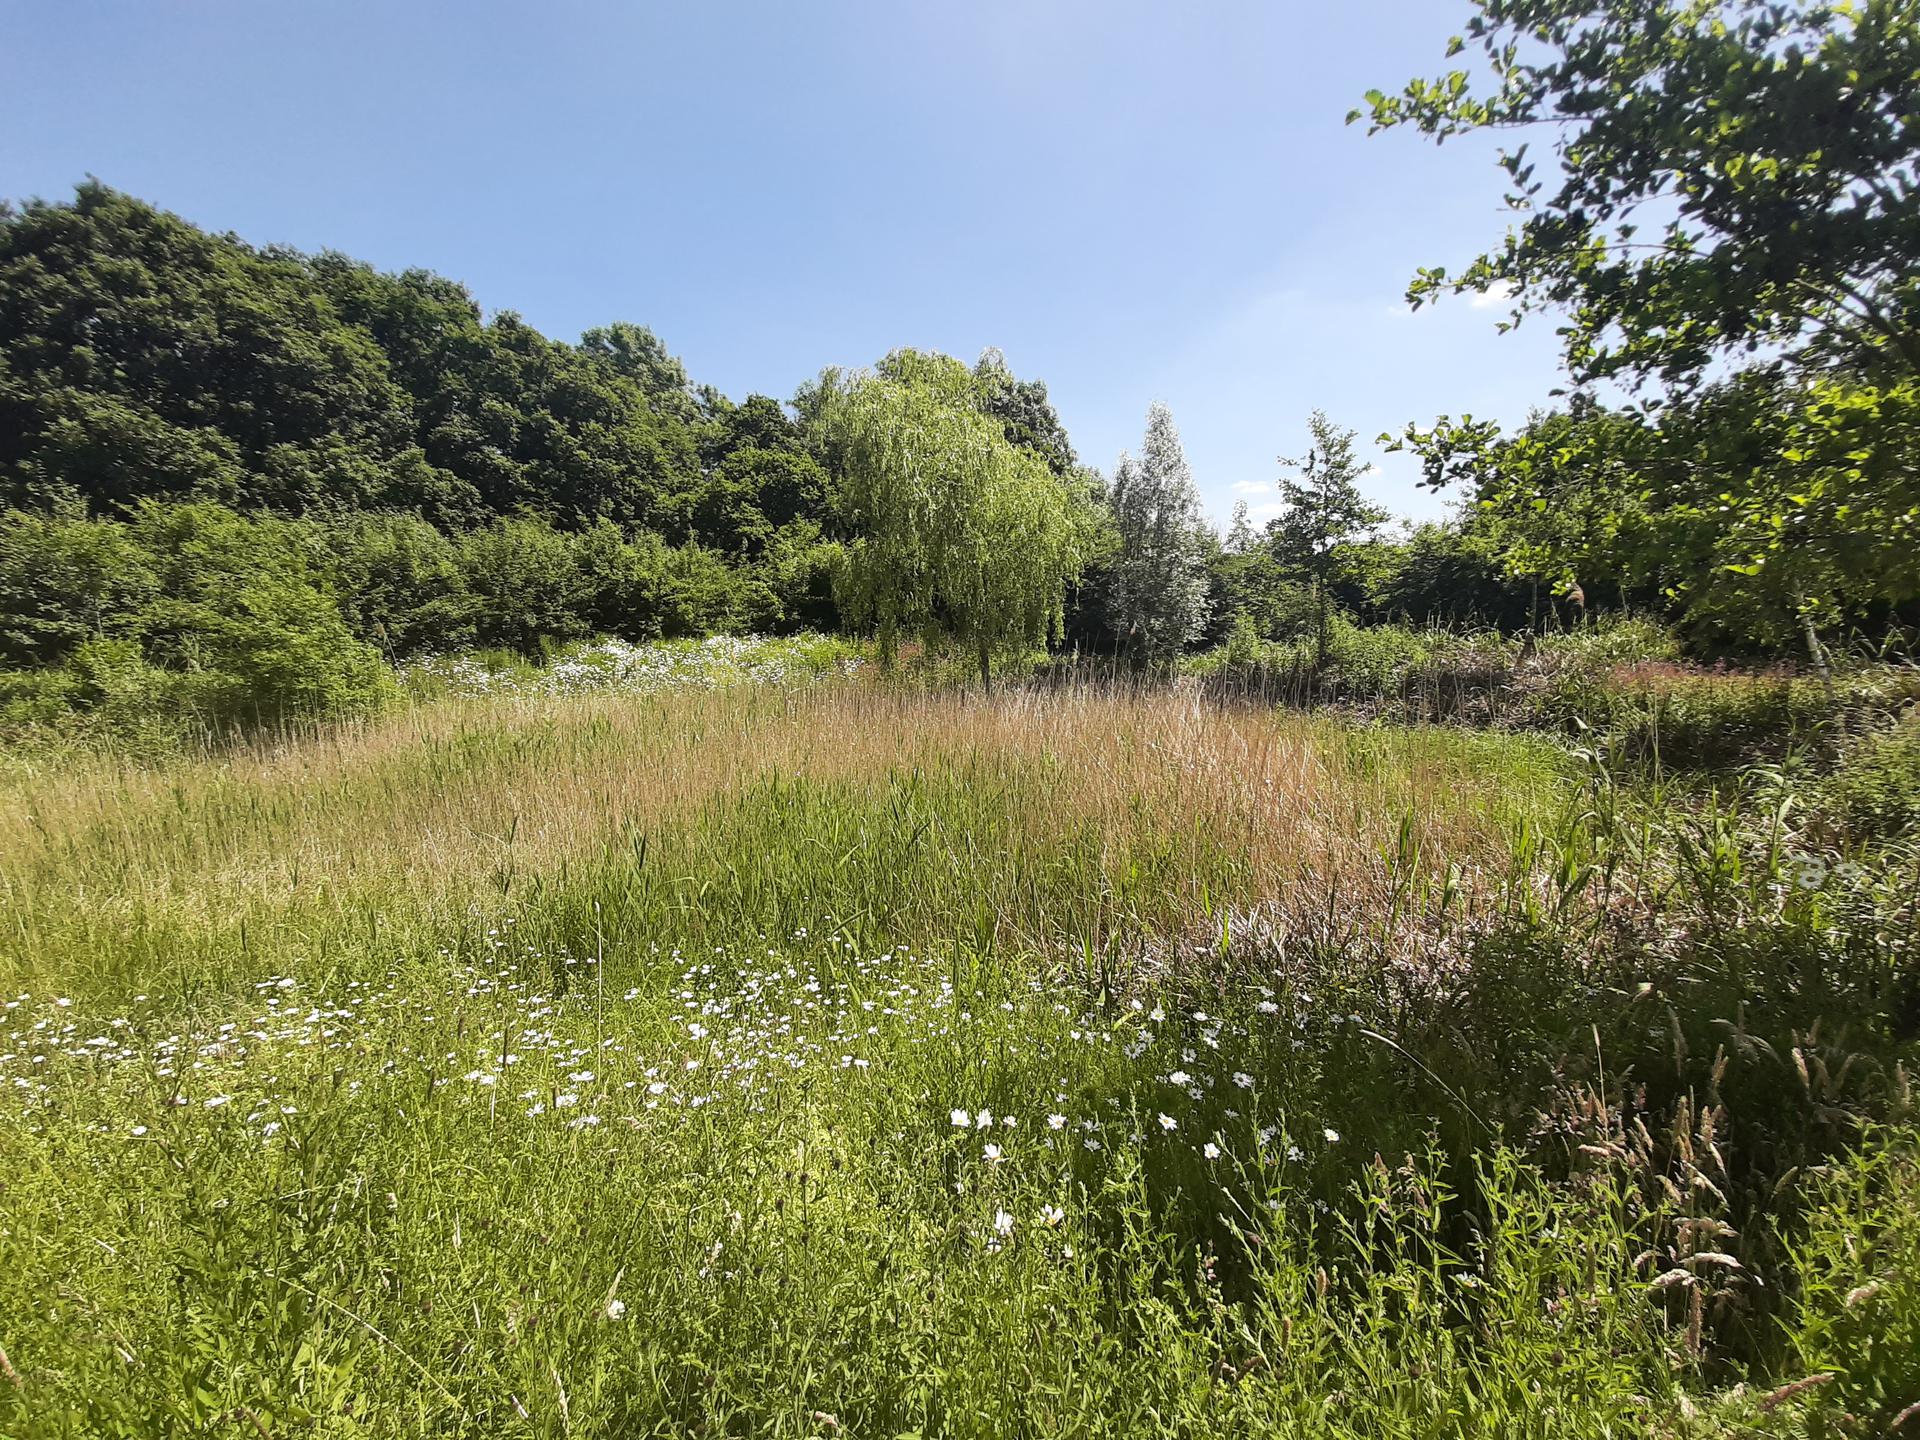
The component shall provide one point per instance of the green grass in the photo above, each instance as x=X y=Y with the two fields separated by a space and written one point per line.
x=821 y=1060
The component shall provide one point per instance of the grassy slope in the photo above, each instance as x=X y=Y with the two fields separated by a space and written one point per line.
x=594 y=1065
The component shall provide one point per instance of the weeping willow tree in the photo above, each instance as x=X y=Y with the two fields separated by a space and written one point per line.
x=962 y=535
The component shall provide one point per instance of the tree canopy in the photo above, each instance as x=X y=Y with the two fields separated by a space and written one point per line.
x=1730 y=224
x=1727 y=179
x=957 y=531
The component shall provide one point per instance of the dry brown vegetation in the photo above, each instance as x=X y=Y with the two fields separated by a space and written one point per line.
x=440 y=806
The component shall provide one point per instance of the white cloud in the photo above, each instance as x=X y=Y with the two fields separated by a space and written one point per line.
x=1497 y=293
x=1252 y=487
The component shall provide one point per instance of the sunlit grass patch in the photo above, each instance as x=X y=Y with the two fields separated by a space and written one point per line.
x=844 y=1060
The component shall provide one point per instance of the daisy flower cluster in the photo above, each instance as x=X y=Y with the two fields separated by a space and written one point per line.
x=1029 y=1083
x=617 y=667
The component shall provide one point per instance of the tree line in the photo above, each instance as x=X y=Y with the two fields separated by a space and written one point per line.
x=240 y=477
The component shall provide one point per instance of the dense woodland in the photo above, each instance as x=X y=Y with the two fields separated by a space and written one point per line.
x=248 y=475
x=198 y=432
x=240 y=478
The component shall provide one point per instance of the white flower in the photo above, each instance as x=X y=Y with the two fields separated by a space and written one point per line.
x=1167 y=1122
x=1333 y=1135
x=561 y=1102
x=992 y=1152
x=961 y=1119
x=1243 y=1080
x=1051 y=1215
x=1056 y=1122
x=1267 y=1007
x=138 y=1130
x=1002 y=1223
x=1210 y=1150
x=616 y=1309
x=1179 y=1077
x=216 y=1101
x=983 y=1119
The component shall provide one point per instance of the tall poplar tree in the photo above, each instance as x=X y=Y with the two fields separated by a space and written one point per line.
x=1157 y=597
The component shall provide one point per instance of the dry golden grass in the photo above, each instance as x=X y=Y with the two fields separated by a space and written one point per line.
x=436 y=808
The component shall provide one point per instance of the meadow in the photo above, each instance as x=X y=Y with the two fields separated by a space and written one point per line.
x=742 y=1047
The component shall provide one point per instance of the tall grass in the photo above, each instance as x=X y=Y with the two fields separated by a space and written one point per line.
x=840 y=1061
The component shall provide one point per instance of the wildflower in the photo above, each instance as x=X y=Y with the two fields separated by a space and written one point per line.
x=561 y=1102
x=983 y=1119
x=1267 y=1007
x=138 y=1131
x=1333 y=1135
x=214 y=1102
x=961 y=1119
x=992 y=1152
x=1051 y=1215
x=616 y=1309
x=1243 y=1080
x=1056 y=1122
x=1002 y=1224
x=1210 y=1150
x=1179 y=1077
x=1167 y=1122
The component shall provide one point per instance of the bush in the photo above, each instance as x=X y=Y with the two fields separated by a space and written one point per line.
x=521 y=585
x=63 y=579
x=185 y=618
x=246 y=611
x=400 y=582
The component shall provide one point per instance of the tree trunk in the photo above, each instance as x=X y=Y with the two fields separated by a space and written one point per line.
x=1816 y=652
x=1320 y=628
x=986 y=668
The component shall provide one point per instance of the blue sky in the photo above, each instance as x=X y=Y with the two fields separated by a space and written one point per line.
x=1135 y=201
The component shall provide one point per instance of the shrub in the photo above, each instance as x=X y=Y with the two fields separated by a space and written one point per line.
x=63 y=579
x=521 y=584
x=400 y=581
x=185 y=618
x=245 y=610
